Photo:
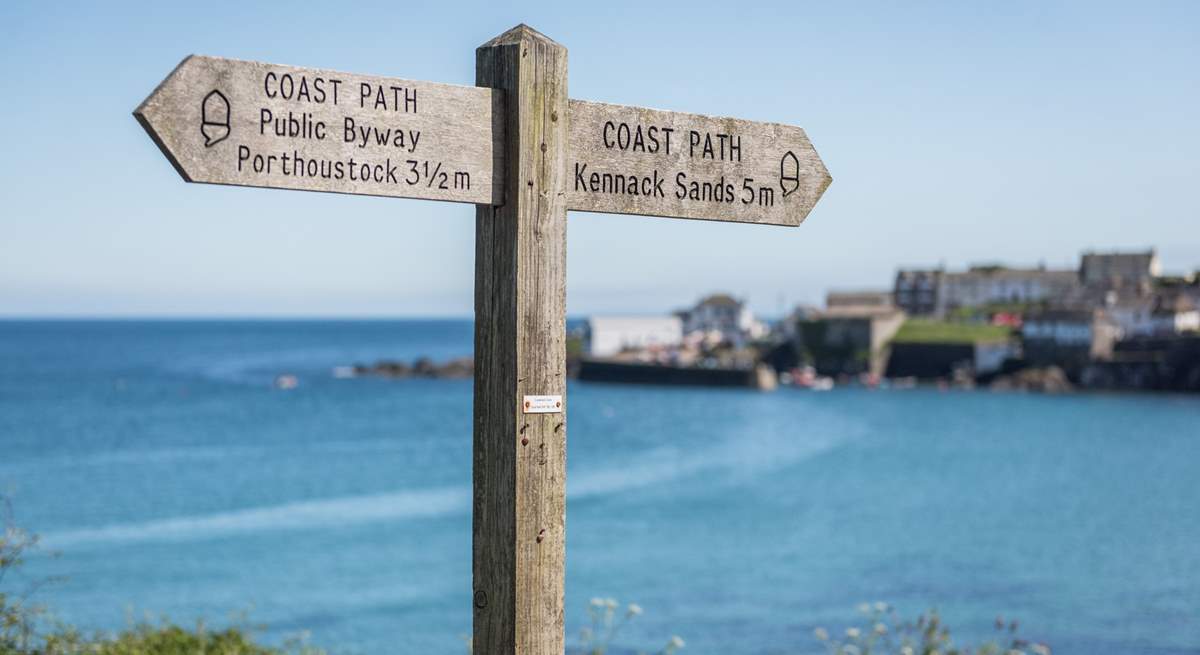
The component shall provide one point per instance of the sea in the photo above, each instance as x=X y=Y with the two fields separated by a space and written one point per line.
x=168 y=476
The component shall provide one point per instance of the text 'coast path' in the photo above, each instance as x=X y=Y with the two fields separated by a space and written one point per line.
x=225 y=121
x=632 y=160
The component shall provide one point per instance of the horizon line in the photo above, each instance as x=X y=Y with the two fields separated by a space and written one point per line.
x=116 y=318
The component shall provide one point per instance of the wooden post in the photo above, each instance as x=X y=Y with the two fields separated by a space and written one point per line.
x=520 y=350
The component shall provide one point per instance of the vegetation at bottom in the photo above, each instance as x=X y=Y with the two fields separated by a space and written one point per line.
x=606 y=623
x=146 y=639
x=27 y=628
x=882 y=632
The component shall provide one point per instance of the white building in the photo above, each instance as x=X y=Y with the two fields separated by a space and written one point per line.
x=936 y=292
x=1061 y=328
x=1154 y=317
x=606 y=336
x=986 y=285
x=724 y=316
x=1069 y=334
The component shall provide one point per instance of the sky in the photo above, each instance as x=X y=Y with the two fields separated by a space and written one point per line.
x=956 y=133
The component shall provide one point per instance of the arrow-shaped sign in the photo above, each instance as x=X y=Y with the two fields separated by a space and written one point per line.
x=225 y=121
x=632 y=160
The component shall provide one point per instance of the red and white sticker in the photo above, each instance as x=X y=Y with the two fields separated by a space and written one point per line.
x=542 y=405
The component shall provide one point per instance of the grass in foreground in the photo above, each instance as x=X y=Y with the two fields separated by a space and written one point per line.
x=22 y=630
x=165 y=639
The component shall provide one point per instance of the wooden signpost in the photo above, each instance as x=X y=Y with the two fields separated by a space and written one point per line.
x=524 y=154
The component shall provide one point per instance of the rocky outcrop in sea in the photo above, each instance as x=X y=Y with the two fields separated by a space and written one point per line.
x=422 y=367
x=1050 y=379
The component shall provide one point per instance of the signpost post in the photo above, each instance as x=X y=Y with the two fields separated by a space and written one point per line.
x=524 y=154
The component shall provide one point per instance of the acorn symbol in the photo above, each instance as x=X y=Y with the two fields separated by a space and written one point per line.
x=214 y=118
x=789 y=173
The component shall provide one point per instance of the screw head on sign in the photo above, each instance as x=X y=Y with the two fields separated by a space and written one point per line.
x=558 y=403
x=526 y=404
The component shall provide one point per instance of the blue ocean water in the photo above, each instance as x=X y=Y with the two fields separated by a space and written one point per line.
x=172 y=479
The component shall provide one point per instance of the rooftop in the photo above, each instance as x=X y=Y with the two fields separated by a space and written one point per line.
x=719 y=300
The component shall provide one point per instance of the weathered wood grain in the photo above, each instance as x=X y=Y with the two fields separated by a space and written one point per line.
x=520 y=332
x=411 y=139
x=633 y=160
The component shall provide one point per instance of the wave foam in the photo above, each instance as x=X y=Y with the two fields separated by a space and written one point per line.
x=350 y=510
x=766 y=450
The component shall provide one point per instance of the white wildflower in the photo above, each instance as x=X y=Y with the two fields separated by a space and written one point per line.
x=634 y=609
x=611 y=603
x=677 y=642
x=821 y=634
x=881 y=606
x=865 y=608
x=853 y=633
x=907 y=650
x=1040 y=649
x=880 y=628
x=597 y=602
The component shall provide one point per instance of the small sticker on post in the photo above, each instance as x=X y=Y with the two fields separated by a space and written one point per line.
x=542 y=405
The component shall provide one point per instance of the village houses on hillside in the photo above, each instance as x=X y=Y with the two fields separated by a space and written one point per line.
x=1128 y=288
x=935 y=320
x=935 y=292
x=1115 y=312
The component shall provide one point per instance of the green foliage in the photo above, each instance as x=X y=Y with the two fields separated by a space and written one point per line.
x=917 y=330
x=574 y=346
x=165 y=639
x=882 y=632
x=25 y=628
x=148 y=639
x=18 y=616
x=986 y=311
x=829 y=357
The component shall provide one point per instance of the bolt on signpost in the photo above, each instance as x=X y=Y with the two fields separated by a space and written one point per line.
x=516 y=147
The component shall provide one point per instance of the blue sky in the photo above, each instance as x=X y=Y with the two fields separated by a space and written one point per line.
x=955 y=133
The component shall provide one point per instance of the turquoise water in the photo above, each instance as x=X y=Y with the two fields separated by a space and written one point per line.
x=171 y=478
